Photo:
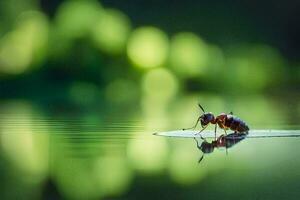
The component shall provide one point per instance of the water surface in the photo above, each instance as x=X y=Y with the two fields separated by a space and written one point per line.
x=95 y=156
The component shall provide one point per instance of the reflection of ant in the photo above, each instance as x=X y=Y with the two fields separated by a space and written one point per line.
x=227 y=141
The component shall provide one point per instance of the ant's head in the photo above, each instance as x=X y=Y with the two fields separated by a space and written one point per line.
x=207 y=147
x=206 y=118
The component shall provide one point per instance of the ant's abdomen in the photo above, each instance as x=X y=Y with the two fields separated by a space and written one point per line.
x=242 y=127
x=236 y=124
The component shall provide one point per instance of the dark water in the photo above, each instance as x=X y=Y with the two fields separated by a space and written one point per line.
x=95 y=156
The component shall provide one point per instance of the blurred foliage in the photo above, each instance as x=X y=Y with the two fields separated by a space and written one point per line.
x=85 y=41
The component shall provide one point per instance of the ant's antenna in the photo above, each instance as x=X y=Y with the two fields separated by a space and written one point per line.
x=201 y=107
x=201 y=158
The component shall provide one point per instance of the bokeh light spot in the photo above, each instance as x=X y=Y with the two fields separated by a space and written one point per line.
x=77 y=18
x=113 y=175
x=148 y=47
x=187 y=173
x=255 y=67
x=149 y=155
x=188 y=54
x=159 y=84
x=15 y=54
x=111 y=31
x=75 y=180
x=25 y=148
x=26 y=45
x=121 y=91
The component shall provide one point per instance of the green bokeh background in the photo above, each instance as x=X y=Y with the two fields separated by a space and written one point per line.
x=85 y=83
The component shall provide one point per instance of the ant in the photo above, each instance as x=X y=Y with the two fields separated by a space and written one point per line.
x=227 y=141
x=224 y=121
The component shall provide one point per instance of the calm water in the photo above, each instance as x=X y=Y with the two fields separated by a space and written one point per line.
x=103 y=155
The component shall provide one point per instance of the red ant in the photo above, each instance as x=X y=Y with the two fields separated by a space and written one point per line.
x=224 y=121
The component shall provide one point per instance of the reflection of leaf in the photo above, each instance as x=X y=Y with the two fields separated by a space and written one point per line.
x=211 y=134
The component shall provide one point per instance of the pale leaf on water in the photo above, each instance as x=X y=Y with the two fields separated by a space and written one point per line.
x=211 y=134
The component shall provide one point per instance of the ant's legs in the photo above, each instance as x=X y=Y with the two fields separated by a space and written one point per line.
x=225 y=132
x=193 y=126
x=197 y=143
x=199 y=161
x=202 y=138
x=199 y=147
x=201 y=131
x=226 y=143
x=216 y=131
